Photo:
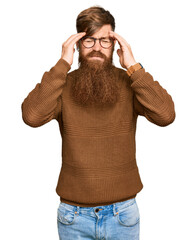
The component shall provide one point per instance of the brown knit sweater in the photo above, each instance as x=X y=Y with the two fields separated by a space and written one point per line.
x=98 y=144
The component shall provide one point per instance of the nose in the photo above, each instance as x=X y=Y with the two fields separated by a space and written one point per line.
x=97 y=46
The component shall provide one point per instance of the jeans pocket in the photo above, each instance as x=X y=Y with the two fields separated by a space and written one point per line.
x=64 y=215
x=129 y=216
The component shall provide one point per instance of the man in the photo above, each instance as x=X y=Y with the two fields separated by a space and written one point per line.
x=97 y=106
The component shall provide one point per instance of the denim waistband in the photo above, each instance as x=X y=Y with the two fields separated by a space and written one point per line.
x=112 y=208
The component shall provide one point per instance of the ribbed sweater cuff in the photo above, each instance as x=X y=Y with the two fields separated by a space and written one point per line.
x=137 y=74
x=62 y=66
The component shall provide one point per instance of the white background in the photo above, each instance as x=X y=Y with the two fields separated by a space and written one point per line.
x=162 y=37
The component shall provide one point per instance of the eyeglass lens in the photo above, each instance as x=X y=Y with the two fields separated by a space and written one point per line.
x=89 y=42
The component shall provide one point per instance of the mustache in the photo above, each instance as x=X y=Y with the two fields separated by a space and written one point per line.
x=96 y=54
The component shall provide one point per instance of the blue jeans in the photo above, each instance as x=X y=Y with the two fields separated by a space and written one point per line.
x=118 y=221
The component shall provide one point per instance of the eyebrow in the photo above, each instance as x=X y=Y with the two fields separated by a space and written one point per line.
x=99 y=38
x=93 y=37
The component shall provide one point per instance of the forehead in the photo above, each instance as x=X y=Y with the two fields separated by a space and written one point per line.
x=103 y=31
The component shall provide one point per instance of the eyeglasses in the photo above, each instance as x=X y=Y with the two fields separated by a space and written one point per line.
x=89 y=42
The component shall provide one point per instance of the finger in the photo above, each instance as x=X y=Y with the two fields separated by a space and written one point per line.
x=118 y=36
x=74 y=38
x=115 y=37
x=78 y=37
x=121 y=40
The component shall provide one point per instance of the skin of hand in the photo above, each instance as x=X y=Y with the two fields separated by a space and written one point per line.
x=125 y=54
x=68 y=47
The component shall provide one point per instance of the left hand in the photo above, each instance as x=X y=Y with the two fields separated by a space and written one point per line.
x=125 y=54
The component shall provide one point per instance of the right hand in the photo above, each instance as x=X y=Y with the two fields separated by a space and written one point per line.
x=68 y=47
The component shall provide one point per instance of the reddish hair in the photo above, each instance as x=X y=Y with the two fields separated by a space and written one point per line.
x=92 y=19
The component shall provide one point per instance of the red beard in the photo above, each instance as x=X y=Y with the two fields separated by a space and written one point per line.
x=95 y=81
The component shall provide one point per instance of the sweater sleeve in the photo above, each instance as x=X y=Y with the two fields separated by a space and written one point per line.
x=151 y=100
x=43 y=103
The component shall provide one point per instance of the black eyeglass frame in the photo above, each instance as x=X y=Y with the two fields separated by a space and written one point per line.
x=81 y=40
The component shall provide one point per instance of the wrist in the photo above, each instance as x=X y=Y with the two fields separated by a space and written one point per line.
x=134 y=68
x=131 y=64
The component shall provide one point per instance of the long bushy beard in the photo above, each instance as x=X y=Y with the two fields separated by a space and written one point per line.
x=95 y=82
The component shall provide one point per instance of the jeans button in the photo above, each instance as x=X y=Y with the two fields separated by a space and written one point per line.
x=97 y=210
